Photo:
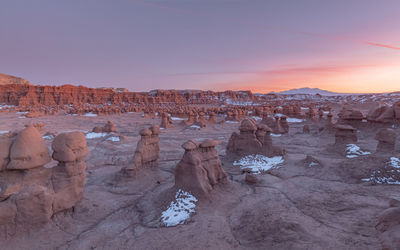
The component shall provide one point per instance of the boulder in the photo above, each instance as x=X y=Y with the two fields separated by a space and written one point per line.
x=28 y=150
x=200 y=168
x=345 y=134
x=386 y=140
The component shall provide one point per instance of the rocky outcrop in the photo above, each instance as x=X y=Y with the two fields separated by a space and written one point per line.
x=68 y=178
x=107 y=128
x=8 y=79
x=345 y=134
x=147 y=151
x=386 y=140
x=388 y=226
x=252 y=139
x=30 y=193
x=381 y=114
x=166 y=121
x=200 y=168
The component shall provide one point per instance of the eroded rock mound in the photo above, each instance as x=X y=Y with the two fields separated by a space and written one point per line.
x=30 y=193
x=200 y=168
x=69 y=175
x=388 y=226
x=147 y=150
x=386 y=140
x=252 y=139
x=345 y=134
x=107 y=128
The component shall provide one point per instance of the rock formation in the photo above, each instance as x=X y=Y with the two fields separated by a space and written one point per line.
x=68 y=179
x=200 y=168
x=147 y=151
x=386 y=140
x=345 y=134
x=30 y=193
x=107 y=128
x=252 y=139
x=388 y=226
x=166 y=121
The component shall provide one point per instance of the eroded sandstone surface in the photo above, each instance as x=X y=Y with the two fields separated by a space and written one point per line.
x=226 y=170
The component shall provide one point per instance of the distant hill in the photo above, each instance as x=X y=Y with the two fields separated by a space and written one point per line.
x=8 y=79
x=309 y=91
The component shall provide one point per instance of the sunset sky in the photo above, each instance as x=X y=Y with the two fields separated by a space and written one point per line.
x=350 y=46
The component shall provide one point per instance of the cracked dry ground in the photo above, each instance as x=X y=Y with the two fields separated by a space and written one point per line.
x=292 y=207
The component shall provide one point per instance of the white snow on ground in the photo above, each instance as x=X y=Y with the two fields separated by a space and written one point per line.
x=394 y=162
x=258 y=163
x=179 y=210
x=289 y=119
x=93 y=135
x=90 y=114
x=113 y=138
x=312 y=164
x=256 y=118
x=353 y=151
x=275 y=135
x=195 y=127
x=4 y=106
x=22 y=113
x=231 y=122
x=294 y=120
x=4 y=132
x=378 y=177
x=48 y=137
x=177 y=119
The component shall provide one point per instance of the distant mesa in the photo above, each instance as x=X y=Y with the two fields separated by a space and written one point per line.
x=8 y=79
x=308 y=91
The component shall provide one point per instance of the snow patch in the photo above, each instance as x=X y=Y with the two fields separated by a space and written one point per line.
x=390 y=176
x=90 y=114
x=177 y=119
x=195 y=127
x=93 y=135
x=353 y=151
x=114 y=139
x=4 y=132
x=294 y=120
x=275 y=135
x=258 y=163
x=231 y=122
x=179 y=210
x=48 y=137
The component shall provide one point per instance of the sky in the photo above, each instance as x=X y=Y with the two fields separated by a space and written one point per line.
x=349 y=46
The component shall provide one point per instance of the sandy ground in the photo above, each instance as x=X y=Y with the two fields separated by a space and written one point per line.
x=292 y=207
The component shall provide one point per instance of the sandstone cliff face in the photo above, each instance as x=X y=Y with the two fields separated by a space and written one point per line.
x=8 y=79
x=12 y=92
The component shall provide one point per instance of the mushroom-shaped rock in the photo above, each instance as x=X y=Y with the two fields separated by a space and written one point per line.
x=155 y=129
x=388 y=227
x=69 y=175
x=200 y=168
x=247 y=125
x=28 y=150
x=396 y=109
x=345 y=134
x=190 y=145
x=109 y=127
x=145 y=132
x=386 y=140
x=69 y=147
x=209 y=143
